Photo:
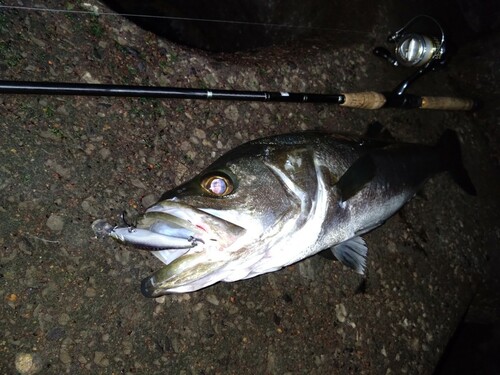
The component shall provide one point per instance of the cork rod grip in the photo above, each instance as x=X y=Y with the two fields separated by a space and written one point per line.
x=365 y=100
x=443 y=102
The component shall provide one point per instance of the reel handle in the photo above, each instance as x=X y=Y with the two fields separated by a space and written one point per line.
x=386 y=55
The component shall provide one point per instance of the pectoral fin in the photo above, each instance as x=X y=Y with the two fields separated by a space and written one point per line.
x=352 y=253
x=360 y=173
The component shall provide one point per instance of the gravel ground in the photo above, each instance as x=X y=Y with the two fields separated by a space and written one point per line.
x=70 y=303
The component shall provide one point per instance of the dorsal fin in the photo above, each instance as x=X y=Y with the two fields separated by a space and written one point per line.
x=376 y=130
x=360 y=173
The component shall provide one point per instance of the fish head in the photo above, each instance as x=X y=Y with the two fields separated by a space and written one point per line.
x=218 y=224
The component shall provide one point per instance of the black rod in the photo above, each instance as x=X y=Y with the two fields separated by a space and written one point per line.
x=362 y=100
x=87 y=89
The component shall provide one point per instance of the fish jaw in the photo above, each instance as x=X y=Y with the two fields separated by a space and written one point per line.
x=174 y=226
x=194 y=245
x=189 y=272
x=228 y=259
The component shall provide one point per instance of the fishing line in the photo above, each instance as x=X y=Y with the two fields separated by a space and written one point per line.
x=397 y=98
x=173 y=18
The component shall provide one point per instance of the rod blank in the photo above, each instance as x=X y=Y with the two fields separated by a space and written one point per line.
x=363 y=100
x=87 y=89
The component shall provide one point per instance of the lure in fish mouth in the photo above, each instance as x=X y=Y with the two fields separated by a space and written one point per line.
x=274 y=201
x=173 y=230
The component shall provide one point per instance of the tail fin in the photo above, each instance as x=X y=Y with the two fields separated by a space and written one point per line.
x=449 y=146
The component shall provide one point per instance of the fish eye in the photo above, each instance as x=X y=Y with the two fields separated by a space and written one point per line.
x=217 y=185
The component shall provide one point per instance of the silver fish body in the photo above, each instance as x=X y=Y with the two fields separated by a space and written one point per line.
x=274 y=201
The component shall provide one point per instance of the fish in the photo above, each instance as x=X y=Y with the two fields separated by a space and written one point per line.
x=275 y=201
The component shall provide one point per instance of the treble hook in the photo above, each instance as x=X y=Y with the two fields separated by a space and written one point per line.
x=194 y=241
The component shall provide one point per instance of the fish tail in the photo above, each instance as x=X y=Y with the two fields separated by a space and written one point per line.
x=451 y=151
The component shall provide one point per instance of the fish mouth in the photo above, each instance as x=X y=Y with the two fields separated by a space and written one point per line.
x=188 y=240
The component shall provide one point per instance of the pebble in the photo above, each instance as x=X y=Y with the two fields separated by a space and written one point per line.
x=63 y=319
x=89 y=148
x=271 y=363
x=391 y=246
x=55 y=223
x=105 y=152
x=200 y=133
x=64 y=355
x=341 y=312
x=161 y=299
x=47 y=134
x=307 y=270
x=232 y=113
x=123 y=257
x=158 y=310
x=62 y=110
x=211 y=298
x=90 y=206
x=59 y=169
x=40 y=43
x=185 y=146
x=87 y=77
x=138 y=183
x=121 y=41
x=149 y=200
x=127 y=347
x=383 y=351
x=28 y=363
x=100 y=359
x=29 y=205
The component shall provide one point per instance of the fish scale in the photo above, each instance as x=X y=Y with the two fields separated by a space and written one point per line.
x=281 y=199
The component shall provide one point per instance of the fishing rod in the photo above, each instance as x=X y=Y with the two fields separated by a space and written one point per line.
x=412 y=50
x=363 y=100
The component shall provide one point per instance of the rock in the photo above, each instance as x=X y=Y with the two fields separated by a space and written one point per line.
x=200 y=133
x=232 y=113
x=58 y=168
x=64 y=355
x=341 y=312
x=87 y=77
x=105 y=152
x=90 y=206
x=149 y=200
x=138 y=183
x=213 y=299
x=55 y=223
x=28 y=363
x=64 y=319
x=100 y=359
x=306 y=270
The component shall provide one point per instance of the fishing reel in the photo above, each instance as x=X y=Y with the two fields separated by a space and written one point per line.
x=413 y=49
